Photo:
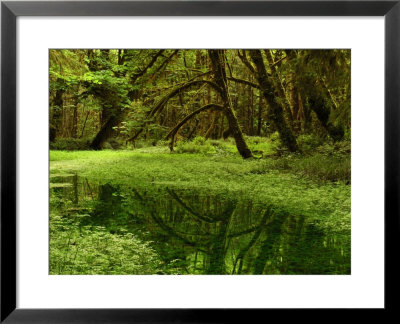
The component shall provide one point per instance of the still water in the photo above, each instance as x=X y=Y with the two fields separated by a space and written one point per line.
x=200 y=233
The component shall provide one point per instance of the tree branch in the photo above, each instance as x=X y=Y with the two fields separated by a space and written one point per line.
x=246 y=62
x=160 y=105
x=274 y=63
x=249 y=83
x=191 y=115
x=151 y=63
x=164 y=63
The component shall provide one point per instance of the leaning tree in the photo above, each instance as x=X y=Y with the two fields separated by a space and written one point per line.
x=218 y=83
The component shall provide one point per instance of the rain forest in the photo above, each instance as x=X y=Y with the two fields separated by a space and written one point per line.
x=199 y=161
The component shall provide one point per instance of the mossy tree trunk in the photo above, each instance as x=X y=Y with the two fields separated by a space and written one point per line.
x=293 y=94
x=259 y=116
x=323 y=111
x=269 y=93
x=112 y=116
x=280 y=89
x=56 y=121
x=218 y=66
x=105 y=132
x=75 y=119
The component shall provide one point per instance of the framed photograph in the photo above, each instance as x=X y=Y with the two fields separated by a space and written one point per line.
x=190 y=161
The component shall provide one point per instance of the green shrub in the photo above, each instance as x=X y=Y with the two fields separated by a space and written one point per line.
x=274 y=137
x=114 y=144
x=329 y=168
x=309 y=142
x=199 y=140
x=199 y=145
x=71 y=144
x=140 y=144
x=223 y=147
x=329 y=162
x=154 y=149
x=190 y=147
x=162 y=143
x=254 y=140
x=318 y=166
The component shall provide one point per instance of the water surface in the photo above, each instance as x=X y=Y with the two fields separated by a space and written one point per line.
x=195 y=232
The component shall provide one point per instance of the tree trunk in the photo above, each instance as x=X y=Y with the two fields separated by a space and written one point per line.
x=121 y=58
x=259 y=119
x=105 y=132
x=269 y=94
x=322 y=110
x=250 y=113
x=307 y=118
x=293 y=96
x=210 y=131
x=279 y=87
x=173 y=132
x=75 y=119
x=57 y=114
x=110 y=117
x=218 y=64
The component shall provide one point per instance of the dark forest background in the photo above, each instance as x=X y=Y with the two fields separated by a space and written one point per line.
x=125 y=98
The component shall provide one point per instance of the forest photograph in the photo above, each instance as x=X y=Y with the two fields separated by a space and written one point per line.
x=200 y=161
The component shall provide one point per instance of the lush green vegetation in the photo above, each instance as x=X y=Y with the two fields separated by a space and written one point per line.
x=290 y=185
x=200 y=162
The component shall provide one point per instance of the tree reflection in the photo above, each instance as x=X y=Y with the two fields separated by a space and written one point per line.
x=201 y=233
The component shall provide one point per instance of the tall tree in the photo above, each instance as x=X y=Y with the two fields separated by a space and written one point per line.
x=114 y=90
x=56 y=120
x=270 y=94
x=218 y=63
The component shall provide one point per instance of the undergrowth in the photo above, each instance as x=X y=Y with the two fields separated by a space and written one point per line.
x=86 y=249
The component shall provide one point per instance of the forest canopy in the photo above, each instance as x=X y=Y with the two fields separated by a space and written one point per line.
x=116 y=98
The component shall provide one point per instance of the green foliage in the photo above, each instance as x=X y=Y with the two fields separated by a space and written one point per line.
x=95 y=225
x=323 y=76
x=224 y=147
x=116 y=91
x=275 y=137
x=76 y=249
x=328 y=168
x=336 y=149
x=85 y=156
x=322 y=162
x=199 y=140
x=111 y=90
x=111 y=214
x=159 y=149
x=70 y=144
x=280 y=183
x=264 y=146
x=114 y=144
x=66 y=66
x=199 y=145
x=260 y=146
x=309 y=142
x=95 y=84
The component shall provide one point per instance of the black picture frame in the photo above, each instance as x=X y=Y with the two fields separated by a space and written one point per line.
x=10 y=10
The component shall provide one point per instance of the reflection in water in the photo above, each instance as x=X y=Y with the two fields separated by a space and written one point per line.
x=200 y=233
